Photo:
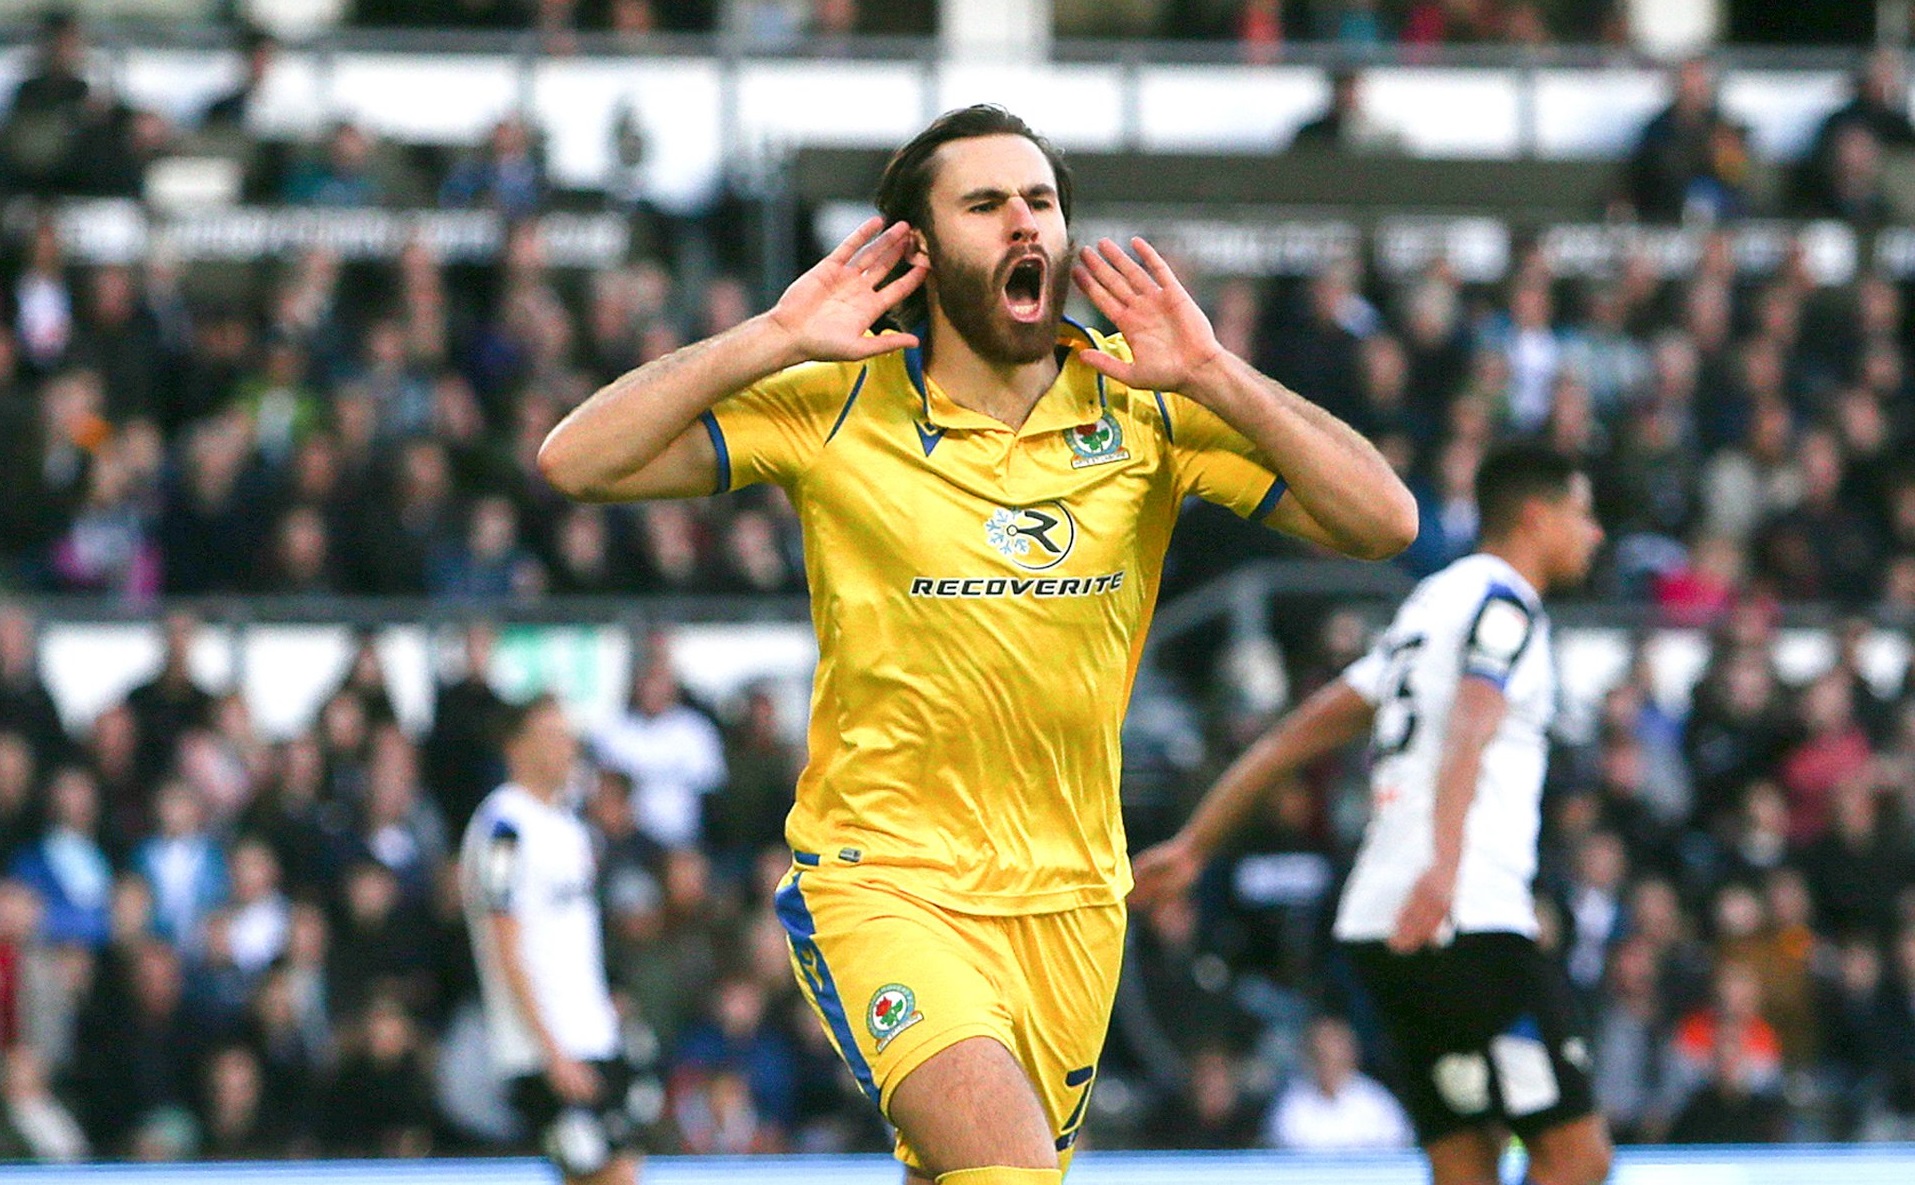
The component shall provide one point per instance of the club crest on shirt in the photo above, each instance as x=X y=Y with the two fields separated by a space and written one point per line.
x=1032 y=537
x=893 y=1009
x=1096 y=444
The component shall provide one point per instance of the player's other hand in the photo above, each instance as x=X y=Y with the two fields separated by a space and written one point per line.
x=1425 y=912
x=1171 y=342
x=572 y=1080
x=827 y=311
x=1165 y=871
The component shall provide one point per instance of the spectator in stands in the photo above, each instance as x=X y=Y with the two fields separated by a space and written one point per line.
x=345 y=172
x=137 y=1047
x=1729 y=1107
x=761 y=775
x=488 y=564
x=67 y=866
x=672 y=752
x=184 y=864
x=1877 y=110
x=508 y=177
x=236 y=1127
x=1853 y=190
x=380 y=1103
x=460 y=757
x=19 y=783
x=420 y=516
x=1628 y=1036
x=1834 y=750
x=1684 y=163
x=259 y=917
x=50 y=112
x=1848 y=865
x=739 y=1036
x=1332 y=1106
x=171 y=702
x=259 y=51
x=35 y=1124
x=1214 y=1110
x=26 y=707
x=1345 y=126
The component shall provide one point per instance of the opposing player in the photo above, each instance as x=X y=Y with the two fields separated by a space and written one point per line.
x=526 y=873
x=985 y=501
x=1437 y=915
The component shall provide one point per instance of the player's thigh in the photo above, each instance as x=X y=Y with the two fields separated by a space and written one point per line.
x=970 y=1105
x=892 y=979
x=1573 y=1153
x=1068 y=964
x=1466 y=1157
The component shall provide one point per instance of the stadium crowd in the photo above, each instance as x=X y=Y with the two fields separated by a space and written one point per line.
x=216 y=944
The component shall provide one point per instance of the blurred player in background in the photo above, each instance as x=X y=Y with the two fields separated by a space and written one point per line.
x=527 y=875
x=986 y=501
x=1438 y=917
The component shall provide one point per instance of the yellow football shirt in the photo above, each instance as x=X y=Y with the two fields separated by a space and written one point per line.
x=981 y=596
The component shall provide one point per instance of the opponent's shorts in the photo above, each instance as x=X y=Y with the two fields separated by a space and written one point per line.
x=895 y=980
x=582 y=1138
x=1485 y=1031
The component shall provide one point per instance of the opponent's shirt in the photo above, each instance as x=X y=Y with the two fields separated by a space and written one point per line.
x=981 y=596
x=1477 y=618
x=534 y=861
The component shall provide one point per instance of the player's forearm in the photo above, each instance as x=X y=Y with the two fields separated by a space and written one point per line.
x=505 y=939
x=1332 y=471
x=1328 y=720
x=630 y=421
x=1477 y=713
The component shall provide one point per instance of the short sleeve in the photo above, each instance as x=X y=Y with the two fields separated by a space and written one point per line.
x=1216 y=462
x=501 y=867
x=1498 y=636
x=1365 y=676
x=771 y=430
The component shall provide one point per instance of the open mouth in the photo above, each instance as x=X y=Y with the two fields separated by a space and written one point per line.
x=1024 y=290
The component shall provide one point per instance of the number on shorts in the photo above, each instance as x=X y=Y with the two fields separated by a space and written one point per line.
x=1079 y=1077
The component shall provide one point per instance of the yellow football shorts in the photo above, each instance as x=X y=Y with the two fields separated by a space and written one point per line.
x=895 y=979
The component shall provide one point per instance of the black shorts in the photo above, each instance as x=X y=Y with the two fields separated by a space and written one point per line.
x=581 y=1138
x=1484 y=1031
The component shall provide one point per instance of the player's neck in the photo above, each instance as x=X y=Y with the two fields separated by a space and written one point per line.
x=1006 y=392
x=545 y=792
x=1527 y=560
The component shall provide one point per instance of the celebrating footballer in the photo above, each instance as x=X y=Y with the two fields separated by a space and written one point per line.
x=986 y=493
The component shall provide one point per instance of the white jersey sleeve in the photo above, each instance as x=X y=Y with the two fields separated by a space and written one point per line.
x=1477 y=618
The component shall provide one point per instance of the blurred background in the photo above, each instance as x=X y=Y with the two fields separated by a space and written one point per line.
x=291 y=290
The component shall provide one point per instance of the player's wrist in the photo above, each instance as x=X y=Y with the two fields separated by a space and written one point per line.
x=775 y=340
x=1211 y=378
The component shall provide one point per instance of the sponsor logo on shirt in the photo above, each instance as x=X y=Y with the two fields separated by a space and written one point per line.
x=1016 y=586
x=1035 y=538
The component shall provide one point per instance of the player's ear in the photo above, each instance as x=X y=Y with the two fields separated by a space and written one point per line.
x=920 y=249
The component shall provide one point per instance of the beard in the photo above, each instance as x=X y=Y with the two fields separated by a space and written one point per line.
x=972 y=297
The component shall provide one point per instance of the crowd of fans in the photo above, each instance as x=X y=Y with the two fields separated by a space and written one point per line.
x=213 y=944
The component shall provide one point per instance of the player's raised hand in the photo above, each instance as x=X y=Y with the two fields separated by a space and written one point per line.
x=827 y=310
x=1164 y=871
x=1425 y=912
x=1170 y=339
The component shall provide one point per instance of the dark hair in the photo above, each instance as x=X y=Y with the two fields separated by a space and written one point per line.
x=513 y=718
x=1511 y=475
x=905 y=188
